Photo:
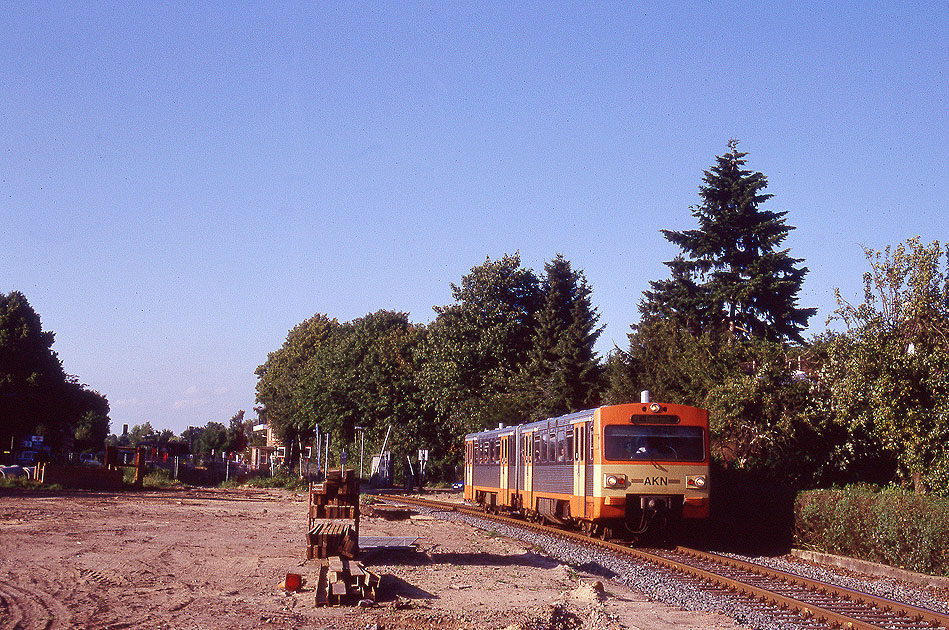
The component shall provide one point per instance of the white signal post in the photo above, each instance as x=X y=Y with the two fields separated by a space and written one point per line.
x=362 y=443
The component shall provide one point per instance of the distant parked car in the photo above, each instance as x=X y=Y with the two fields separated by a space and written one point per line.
x=88 y=459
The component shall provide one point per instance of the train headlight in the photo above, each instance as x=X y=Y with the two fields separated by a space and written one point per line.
x=615 y=481
x=697 y=481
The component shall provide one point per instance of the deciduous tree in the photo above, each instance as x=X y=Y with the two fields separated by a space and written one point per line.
x=473 y=352
x=36 y=395
x=888 y=376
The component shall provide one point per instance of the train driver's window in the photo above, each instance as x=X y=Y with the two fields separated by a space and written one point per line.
x=536 y=448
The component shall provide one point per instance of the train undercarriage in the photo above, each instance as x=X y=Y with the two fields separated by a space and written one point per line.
x=649 y=518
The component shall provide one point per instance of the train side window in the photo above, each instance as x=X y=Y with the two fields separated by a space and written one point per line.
x=569 y=452
x=590 y=443
x=552 y=447
x=536 y=448
x=561 y=446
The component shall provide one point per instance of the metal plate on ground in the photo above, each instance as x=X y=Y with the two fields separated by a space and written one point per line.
x=387 y=542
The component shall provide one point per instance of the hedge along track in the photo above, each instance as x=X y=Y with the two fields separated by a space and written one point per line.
x=804 y=602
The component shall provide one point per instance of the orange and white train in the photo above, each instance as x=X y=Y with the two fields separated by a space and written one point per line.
x=620 y=471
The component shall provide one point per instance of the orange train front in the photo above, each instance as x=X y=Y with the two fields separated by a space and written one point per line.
x=620 y=471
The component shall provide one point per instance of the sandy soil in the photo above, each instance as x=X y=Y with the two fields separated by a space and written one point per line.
x=214 y=559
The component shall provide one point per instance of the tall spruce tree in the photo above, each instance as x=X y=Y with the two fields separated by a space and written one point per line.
x=731 y=275
x=563 y=374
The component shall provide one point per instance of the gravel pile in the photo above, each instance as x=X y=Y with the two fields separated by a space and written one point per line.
x=662 y=586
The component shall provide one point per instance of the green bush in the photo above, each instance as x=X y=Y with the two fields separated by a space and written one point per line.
x=889 y=526
x=159 y=478
x=154 y=479
x=26 y=483
x=289 y=482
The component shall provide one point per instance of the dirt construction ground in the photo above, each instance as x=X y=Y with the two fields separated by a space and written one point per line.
x=214 y=559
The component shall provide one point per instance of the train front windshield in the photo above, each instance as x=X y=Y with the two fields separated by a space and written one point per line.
x=648 y=442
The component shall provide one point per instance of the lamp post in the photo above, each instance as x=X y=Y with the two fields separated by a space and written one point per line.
x=362 y=442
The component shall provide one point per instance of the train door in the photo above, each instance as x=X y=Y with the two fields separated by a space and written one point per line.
x=505 y=493
x=469 y=470
x=529 y=459
x=579 y=469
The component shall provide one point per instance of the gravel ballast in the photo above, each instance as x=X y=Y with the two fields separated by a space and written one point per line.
x=662 y=586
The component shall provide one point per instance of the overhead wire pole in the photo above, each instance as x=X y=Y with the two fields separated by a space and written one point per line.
x=362 y=443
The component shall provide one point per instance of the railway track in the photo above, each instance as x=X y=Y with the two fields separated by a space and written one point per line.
x=800 y=601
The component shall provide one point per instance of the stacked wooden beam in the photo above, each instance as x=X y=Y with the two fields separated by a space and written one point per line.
x=343 y=582
x=333 y=518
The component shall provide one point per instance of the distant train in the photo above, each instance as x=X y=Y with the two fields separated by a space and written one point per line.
x=623 y=471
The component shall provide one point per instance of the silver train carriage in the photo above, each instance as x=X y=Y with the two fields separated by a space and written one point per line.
x=616 y=471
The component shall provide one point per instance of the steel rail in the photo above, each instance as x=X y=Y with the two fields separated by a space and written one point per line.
x=810 y=599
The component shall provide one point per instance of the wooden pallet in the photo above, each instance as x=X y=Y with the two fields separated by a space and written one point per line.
x=345 y=582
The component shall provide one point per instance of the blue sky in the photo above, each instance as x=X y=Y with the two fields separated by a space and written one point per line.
x=182 y=183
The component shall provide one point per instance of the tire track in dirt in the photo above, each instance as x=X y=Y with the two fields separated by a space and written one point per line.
x=31 y=609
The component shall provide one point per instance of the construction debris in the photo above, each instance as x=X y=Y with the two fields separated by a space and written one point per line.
x=333 y=517
x=345 y=582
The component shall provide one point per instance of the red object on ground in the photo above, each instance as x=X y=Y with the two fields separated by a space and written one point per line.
x=293 y=582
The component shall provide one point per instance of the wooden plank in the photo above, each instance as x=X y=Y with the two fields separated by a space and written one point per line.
x=373 y=579
x=322 y=595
